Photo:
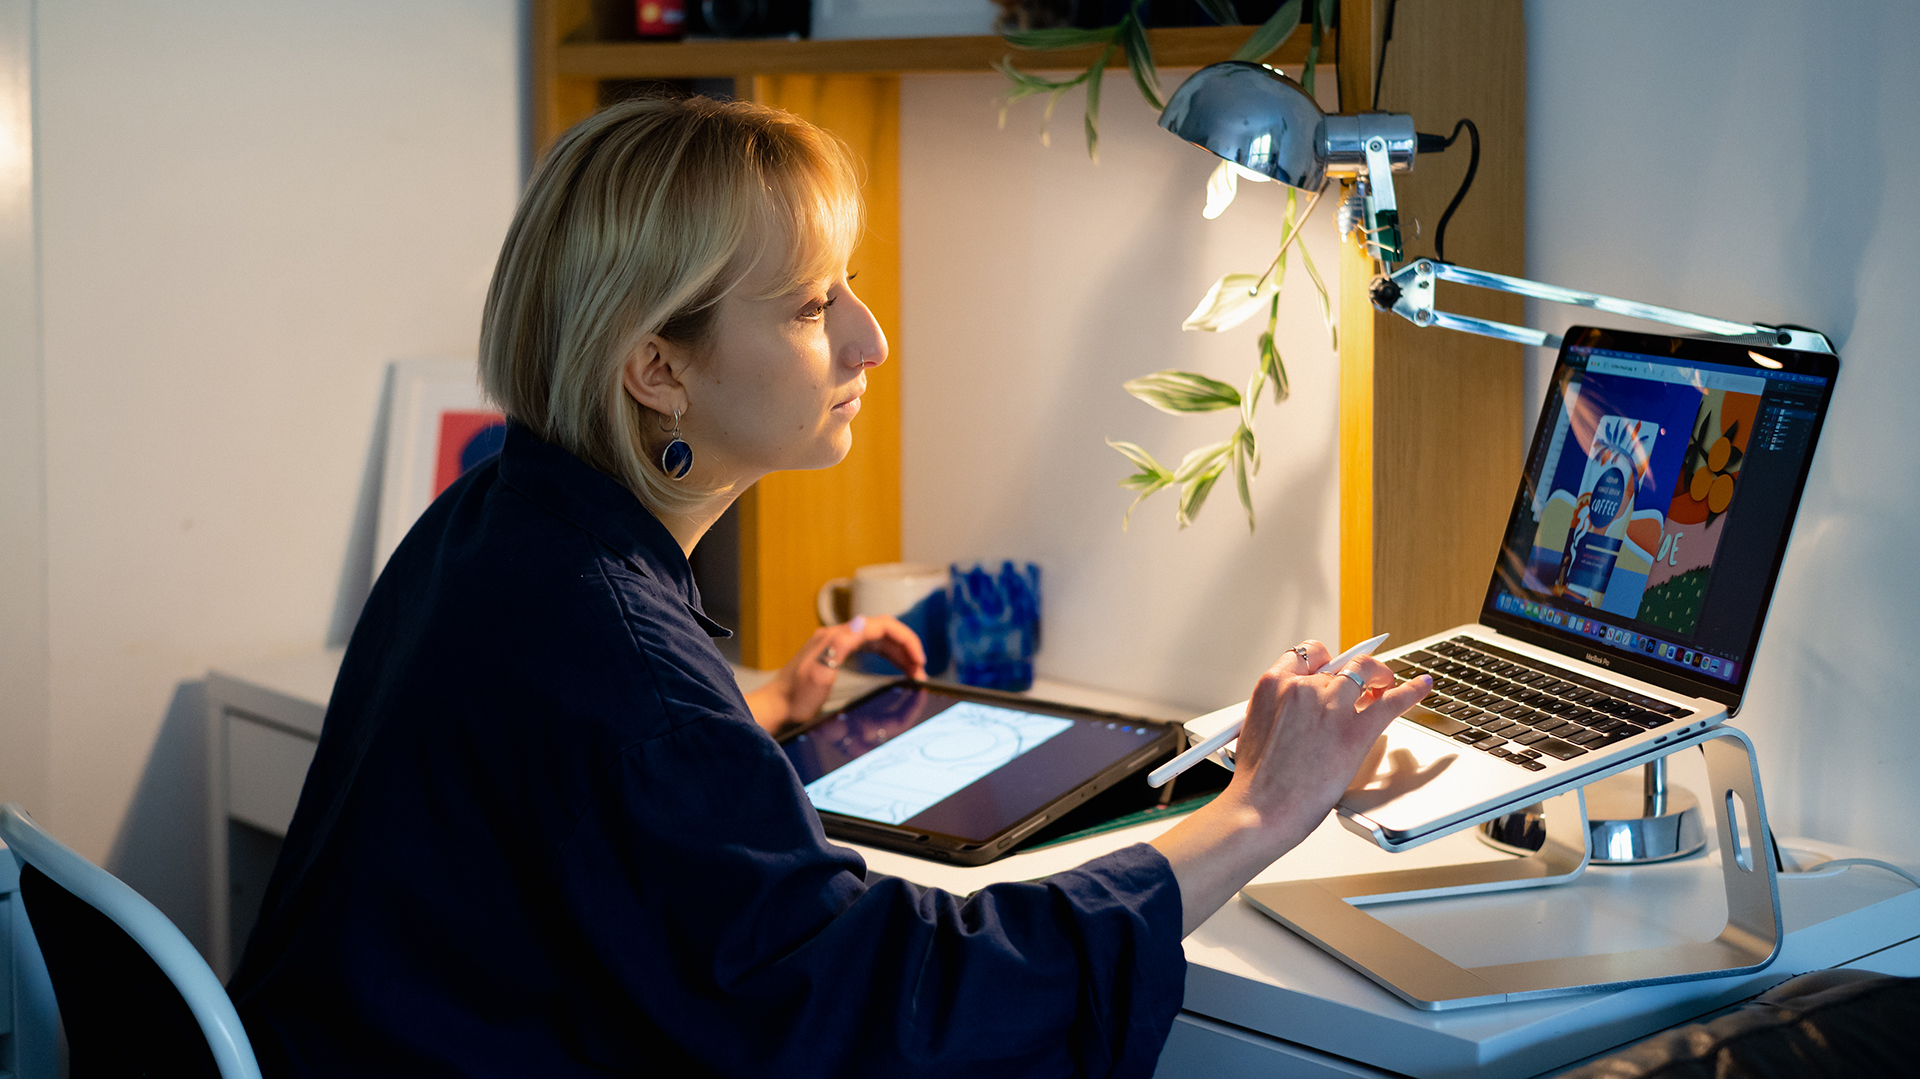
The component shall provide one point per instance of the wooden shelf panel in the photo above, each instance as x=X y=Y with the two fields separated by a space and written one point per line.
x=1187 y=46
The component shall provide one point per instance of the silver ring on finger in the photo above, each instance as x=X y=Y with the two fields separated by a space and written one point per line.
x=830 y=658
x=1301 y=651
x=1357 y=680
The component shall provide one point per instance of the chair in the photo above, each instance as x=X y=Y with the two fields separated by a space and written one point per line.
x=136 y=999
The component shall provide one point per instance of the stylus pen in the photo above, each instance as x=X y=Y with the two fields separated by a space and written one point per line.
x=1164 y=774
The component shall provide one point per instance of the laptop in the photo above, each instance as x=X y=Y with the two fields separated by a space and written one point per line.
x=1630 y=589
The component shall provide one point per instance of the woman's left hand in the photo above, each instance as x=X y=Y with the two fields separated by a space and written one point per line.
x=797 y=690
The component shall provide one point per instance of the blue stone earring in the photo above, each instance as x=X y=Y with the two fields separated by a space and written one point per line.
x=677 y=458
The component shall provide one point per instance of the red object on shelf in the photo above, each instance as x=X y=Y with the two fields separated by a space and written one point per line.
x=661 y=18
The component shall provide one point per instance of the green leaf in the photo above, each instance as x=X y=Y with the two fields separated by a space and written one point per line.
x=1093 y=77
x=1250 y=400
x=1060 y=37
x=1322 y=17
x=1025 y=85
x=1140 y=59
x=1240 y=480
x=1232 y=300
x=1199 y=461
x=1220 y=11
x=1271 y=33
x=1248 y=446
x=1221 y=186
x=1151 y=477
x=1274 y=369
x=1182 y=391
x=1197 y=475
x=1326 y=301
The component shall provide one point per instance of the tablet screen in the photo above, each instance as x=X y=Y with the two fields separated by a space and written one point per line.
x=922 y=759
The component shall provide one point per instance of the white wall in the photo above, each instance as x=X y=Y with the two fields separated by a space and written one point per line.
x=1034 y=283
x=245 y=210
x=1760 y=159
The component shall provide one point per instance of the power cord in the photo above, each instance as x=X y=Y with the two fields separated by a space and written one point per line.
x=1430 y=144
x=1831 y=867
x=1835 y=866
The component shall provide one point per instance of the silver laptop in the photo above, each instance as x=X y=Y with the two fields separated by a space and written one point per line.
x=1630 y=589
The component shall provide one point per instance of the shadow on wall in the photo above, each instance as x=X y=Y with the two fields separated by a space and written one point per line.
x=161 y=851
x=356 y=570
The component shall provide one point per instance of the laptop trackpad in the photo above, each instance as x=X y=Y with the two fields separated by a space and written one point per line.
x=1396 y=767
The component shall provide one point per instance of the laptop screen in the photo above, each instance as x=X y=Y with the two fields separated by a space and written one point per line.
x=1654 y=513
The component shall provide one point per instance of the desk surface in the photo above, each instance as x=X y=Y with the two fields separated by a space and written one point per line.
x=1246 y=970
x=1250 y=972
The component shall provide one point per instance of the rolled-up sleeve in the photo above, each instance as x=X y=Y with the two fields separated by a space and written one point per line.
x=704 y=892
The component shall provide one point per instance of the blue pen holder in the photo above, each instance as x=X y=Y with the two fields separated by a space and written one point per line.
x=994 y=625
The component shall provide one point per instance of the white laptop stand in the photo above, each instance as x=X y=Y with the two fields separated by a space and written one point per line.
x=1328 y=911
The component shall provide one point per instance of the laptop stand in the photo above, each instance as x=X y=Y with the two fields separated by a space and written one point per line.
x=1328 y=911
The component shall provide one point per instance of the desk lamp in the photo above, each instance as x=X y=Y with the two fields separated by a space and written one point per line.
x=1268 y=125
x=1271 y=128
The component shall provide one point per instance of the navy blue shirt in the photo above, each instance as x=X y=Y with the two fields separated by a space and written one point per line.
x=543 y=836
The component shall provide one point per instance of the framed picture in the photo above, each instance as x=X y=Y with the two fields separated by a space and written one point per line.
x=439 y=425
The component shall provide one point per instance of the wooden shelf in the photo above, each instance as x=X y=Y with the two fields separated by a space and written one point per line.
x=1189 y=46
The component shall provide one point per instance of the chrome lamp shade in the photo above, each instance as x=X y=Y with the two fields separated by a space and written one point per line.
x=1256 y=118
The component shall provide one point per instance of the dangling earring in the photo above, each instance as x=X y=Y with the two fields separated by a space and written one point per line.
x=677 y=458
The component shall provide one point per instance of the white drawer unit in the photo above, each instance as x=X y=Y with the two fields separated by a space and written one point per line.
x=263 y=727
x=266 y=766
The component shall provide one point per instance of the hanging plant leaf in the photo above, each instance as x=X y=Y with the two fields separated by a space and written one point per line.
x=1240 y=468
x=1094 y=77
x=1180 y=392
x=1326 y=301
x=1271 y=33
x=1232 y=300
x=1220 y=11
x=1197 y=475
x=1152 y=476
x=1221 y=186
x=1140 y=58
x=1275 y=370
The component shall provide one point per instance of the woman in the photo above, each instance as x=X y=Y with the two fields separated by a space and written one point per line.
x=544 y=834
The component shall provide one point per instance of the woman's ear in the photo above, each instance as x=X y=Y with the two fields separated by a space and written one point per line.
x=648 y=375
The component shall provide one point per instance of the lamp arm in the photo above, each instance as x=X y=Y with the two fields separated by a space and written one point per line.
x=1409 y=293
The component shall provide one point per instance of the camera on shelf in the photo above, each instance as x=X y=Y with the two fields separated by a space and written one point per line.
x=750 y=18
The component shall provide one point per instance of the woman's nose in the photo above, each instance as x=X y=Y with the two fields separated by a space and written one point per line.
x=864 y=343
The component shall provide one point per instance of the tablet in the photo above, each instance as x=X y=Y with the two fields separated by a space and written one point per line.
x=960 y=774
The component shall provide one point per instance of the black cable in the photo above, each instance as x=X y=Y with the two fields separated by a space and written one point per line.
x=1473 y=166
x=1380 y=69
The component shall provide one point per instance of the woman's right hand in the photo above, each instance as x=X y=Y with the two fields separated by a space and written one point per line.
x=1305 y=736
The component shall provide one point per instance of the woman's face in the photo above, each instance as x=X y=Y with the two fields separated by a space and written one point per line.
x=778 y=381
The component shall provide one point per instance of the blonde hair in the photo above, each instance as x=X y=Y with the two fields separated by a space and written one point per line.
x=639 y=221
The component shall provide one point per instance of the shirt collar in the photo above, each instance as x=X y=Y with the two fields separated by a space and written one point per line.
x=596 y=503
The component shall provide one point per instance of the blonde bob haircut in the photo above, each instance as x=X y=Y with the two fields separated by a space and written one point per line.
x=639 y=221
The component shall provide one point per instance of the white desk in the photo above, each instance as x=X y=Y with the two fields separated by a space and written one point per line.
x=1261 y=1001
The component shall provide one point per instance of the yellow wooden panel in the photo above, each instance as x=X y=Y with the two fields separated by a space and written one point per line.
x=559 y=102
x=1359 y=27
x=1356 y=446
x=797 y=529
x=1446 y=419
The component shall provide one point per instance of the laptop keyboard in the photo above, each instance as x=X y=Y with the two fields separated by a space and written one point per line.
x=1520 y=709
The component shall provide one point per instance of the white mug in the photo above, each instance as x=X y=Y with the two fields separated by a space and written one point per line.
x=914 y=592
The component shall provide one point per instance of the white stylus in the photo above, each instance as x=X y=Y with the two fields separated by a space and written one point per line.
x=1164 y=774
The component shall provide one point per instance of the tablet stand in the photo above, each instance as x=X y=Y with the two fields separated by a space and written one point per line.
x=1328 y=911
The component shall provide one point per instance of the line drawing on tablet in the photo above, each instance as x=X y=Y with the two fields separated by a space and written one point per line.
x=905 y=776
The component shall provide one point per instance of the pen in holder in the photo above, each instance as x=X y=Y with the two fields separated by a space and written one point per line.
x=994 y=625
